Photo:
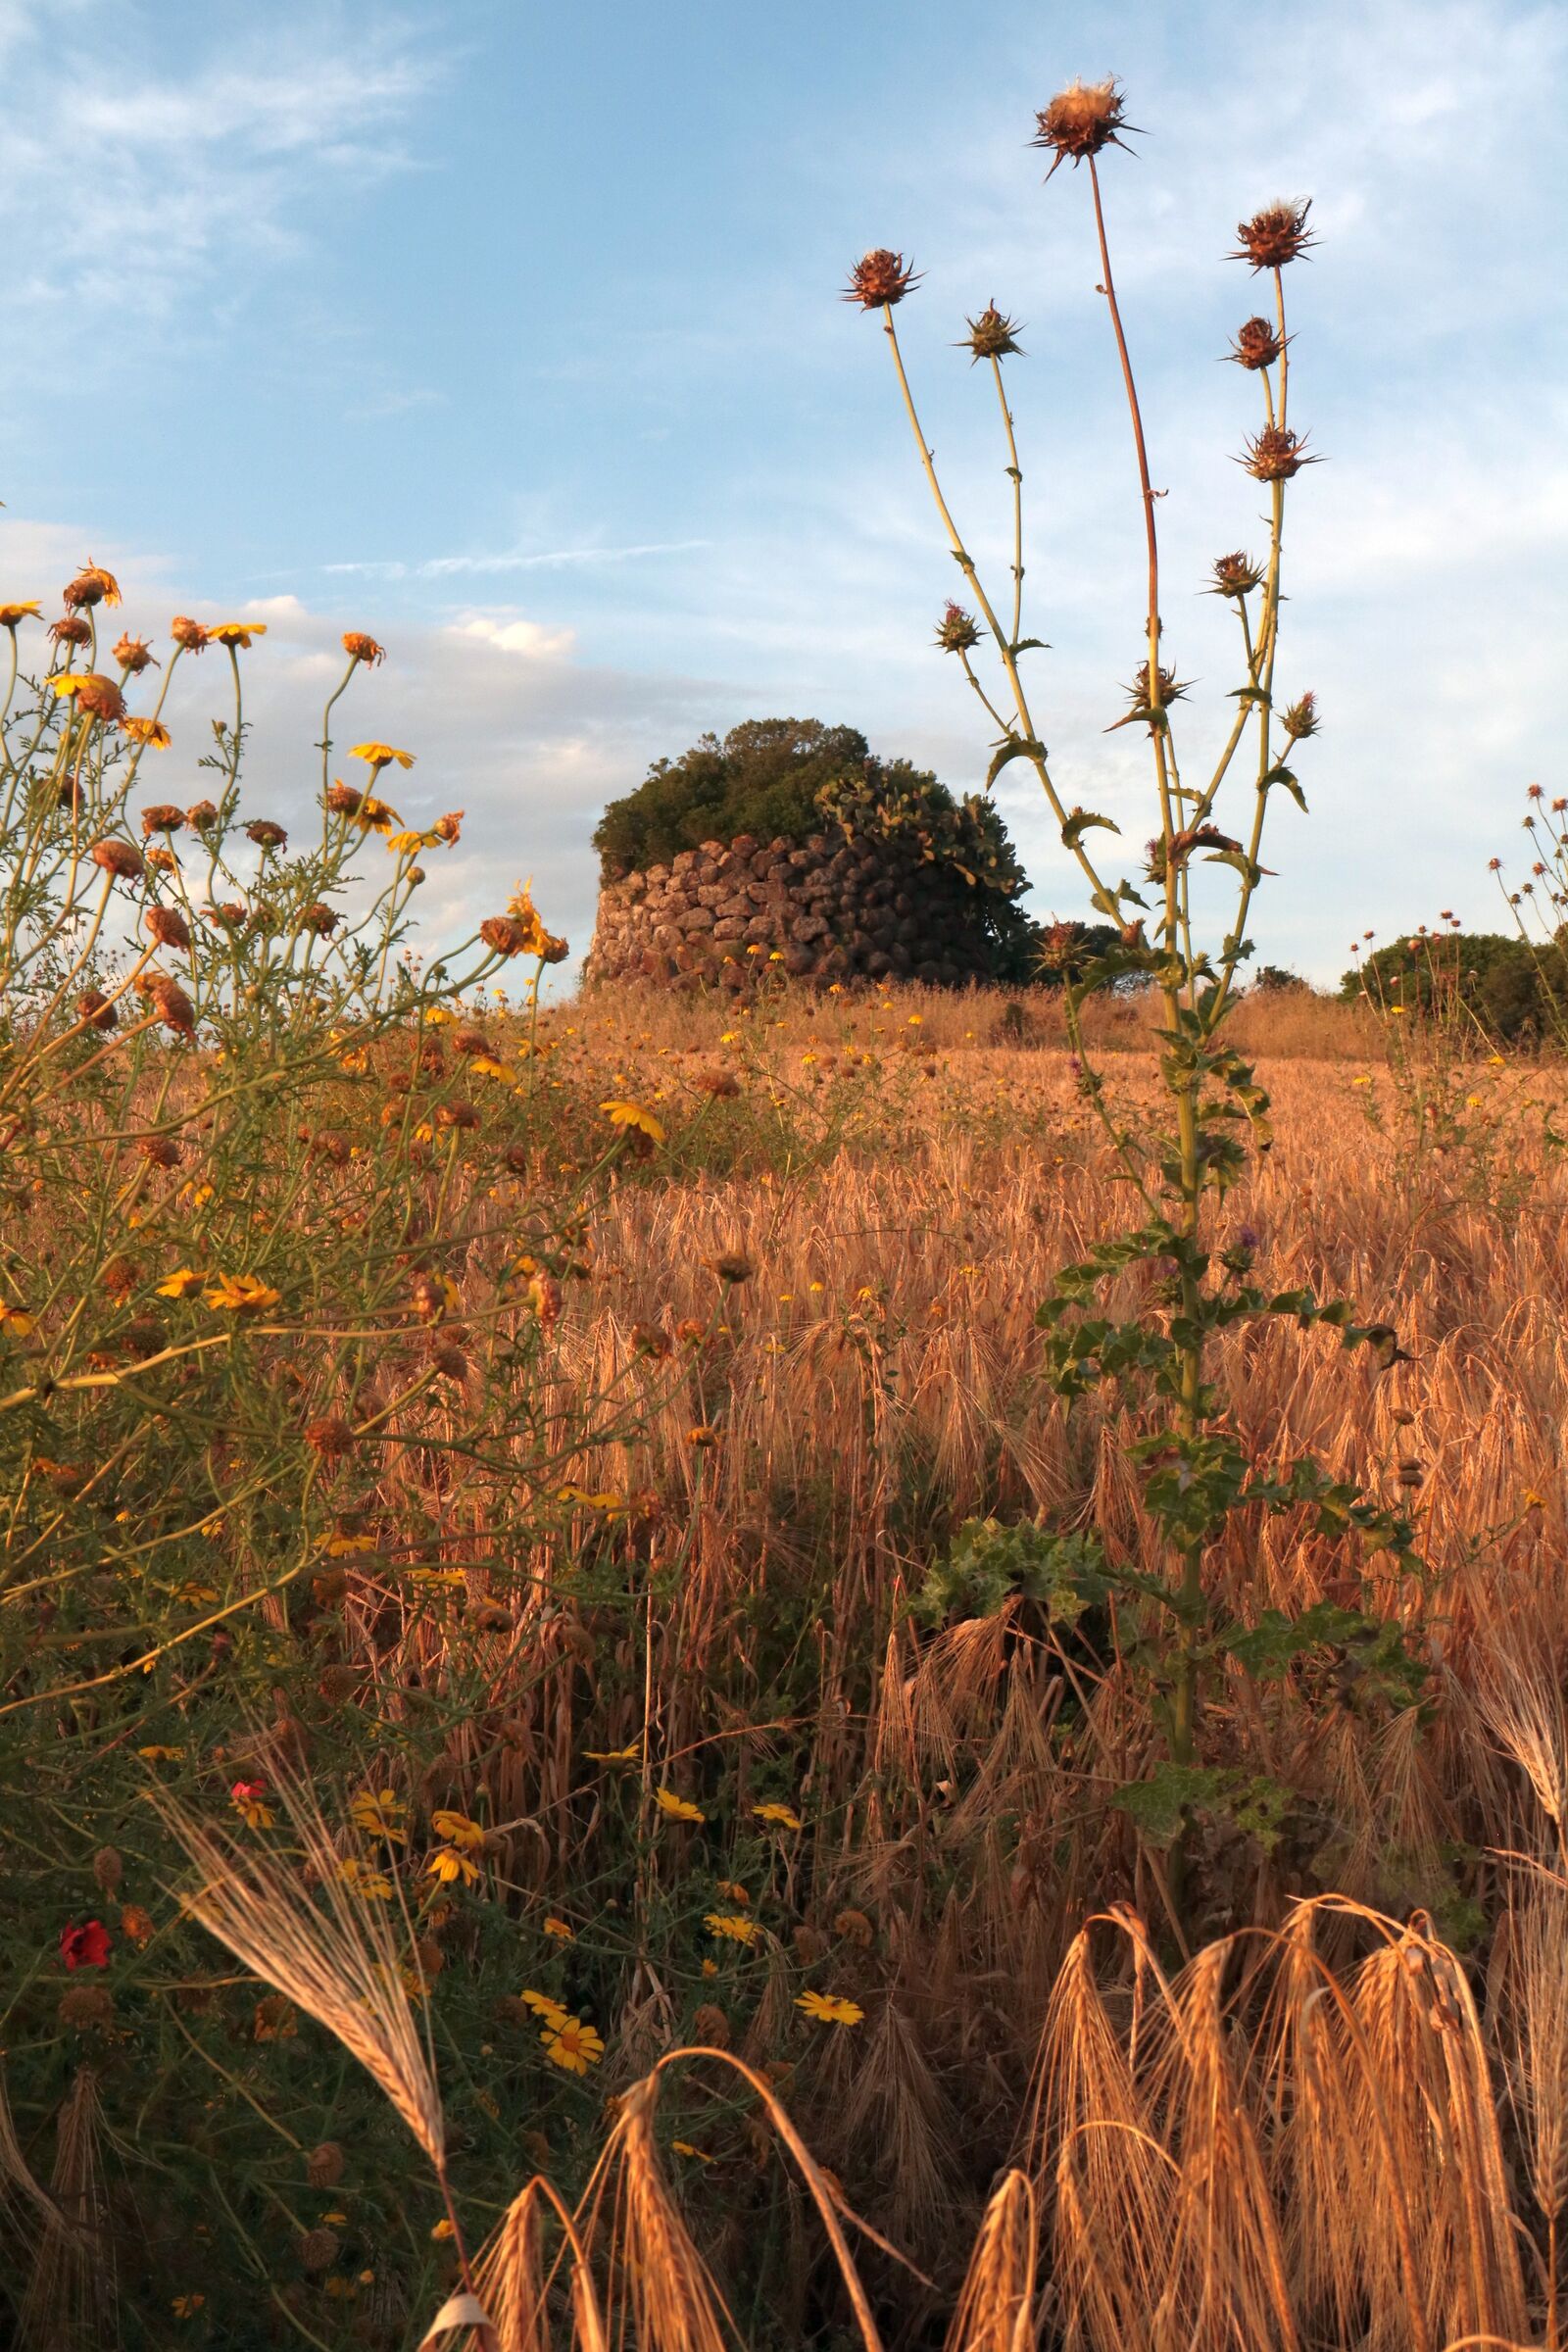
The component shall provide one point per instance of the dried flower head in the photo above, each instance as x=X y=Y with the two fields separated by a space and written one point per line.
x=96 y=1009
x=360 y=648
x=92 y=691
x=147 y=732
x=321 y=920
x=70 y=630
x=1236 y=575
x=880 y=278
x=168 y=926
x=1258 y=343
x=121 y=858
x=266 y=833
x=958 y=631
x=1274 y=236
x=174 y=1007
x=160 y=816
x=992 y=336
x=1276 y=454
x=134 y=654
x=202 y=816
x=1080 y=121
x=93 y=585
x=188 y=634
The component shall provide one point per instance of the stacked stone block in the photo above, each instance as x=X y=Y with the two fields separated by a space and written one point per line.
x=831 y=907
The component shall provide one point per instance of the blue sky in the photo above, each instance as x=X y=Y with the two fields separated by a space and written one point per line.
x=510 y=332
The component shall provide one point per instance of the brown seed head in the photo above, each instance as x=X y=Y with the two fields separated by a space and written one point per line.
x=1080 y=121
x=343 y=800
x=1274 y=236
x=100 y=697
x=95 y=1008
x=168 y=926
x=720 y=1082
x=159 y=1150
x=360 y=648
x=174 y=1009
x=330 y=1437
x=134 y=654
x=202 y=816
x=1236 y=575
x=108 y=1868
x=93 y=585
x=119 y=1275
x=266 y=834
x=958 y=631
x=118 y=858
x=321 y=920
x=503 y=936
x=1276 y=454
x=456 y=1113
x=733 y=1265
x=160 y=816
x=318 y=2249
x=70 y=630
x=87 y=2005
x=325 y=2166
x=880 y=278
x=991 y=336
x=470 y=1041
x=1257 y=344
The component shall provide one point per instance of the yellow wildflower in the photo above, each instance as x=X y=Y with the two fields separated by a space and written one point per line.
x=732 y=1927
x=381 y=755
x=779 y=1815
x=828 y=2010
x=379 y=1813
x=457 y=1829
x=342 y=1547
x=560 y=1930
x=572 y=2045
x=180 y=1285
x=148 y=730
x=10 y=615
x=544 y=2005
x=237 y=632
x=359 y=1878
x=636 y=1116
x=676 y=1808
x=445 y=1865
x=13 y=1319
x=240 y=1293
x=614 y=1755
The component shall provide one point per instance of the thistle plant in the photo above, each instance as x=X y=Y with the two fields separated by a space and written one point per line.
x=1194 y=1473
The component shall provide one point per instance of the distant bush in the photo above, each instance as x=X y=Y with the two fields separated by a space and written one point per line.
x=1516 y=990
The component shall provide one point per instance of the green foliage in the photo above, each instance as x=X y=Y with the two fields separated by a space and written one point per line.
x=1160 y=1805
x=1512 y=989
x=764 y=778
x=988 y=1565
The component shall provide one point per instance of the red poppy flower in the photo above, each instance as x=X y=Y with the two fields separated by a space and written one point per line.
x=86 y=1946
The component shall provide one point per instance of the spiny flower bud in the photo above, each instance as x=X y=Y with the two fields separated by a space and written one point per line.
x=1276 y=454
x=1170 y=688
x=1080 y=121
x=1257 y=344
x=991 y=336
x=958 y=631
x=1302 y=719
x=880 y=278
x=1236 y=575
x=1274 y=236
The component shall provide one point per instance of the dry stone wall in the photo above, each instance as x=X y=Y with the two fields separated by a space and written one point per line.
x=833 y=906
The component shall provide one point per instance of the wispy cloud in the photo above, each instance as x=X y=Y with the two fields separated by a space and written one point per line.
x=442 y=567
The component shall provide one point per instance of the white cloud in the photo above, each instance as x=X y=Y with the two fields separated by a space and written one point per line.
x=535 y=638
x=442 y=567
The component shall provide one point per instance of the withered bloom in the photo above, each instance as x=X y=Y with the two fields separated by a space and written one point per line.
x=1257 y=344
x=992 y=336
x=1274 y=236
x=174 y=1009
x=1081 y=121
x=118 y=858
x=322 y=921
x=188 y=633
x=70 y=629
x=448 y=828
x=330 y=1437
x=168 y=926
x=93 y=585
x=470 y=1041
x=266 y=834
x=1276 y=454
x=880 y=278
x=134 y=654
x=958 y=631
x=342 y=800
x=360 y=648
x=160 y=816
x=503 y=936
x=95 y=1008
x=203 y=816
x=1236 y=574
x=100 y=697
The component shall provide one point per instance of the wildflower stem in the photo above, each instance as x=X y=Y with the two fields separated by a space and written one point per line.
x=1015 y=477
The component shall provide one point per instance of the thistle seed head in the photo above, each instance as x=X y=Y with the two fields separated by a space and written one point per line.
x=992 y=335
x=1258 y=344
x=880 y=278
x=1276 y=236
x=1080 y=121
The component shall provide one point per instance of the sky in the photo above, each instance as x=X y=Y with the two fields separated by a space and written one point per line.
x=510 y=333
